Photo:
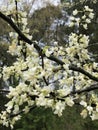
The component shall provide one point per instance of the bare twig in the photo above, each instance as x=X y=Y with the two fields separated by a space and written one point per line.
x=43 y=68
x=4 y=91
x=17 y=19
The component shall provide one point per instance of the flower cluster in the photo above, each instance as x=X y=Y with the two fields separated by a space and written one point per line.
x=77 y=46
x=90 y=108
x=43 y=82
x=85 y=19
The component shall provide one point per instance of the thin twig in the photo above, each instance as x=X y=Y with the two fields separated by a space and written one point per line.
x=88 y=89
x=4 y=91
x=21 y=112
x=43 y=68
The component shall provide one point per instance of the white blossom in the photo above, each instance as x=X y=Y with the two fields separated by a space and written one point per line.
x=75 y=12
x=83 y=103
x=84 y=113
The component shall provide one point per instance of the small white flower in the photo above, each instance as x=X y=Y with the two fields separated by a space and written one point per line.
x=77 y=20
x=75 y=12
x=94 y=116
x=83 y=103
x=63 y=92
x=88 y=21
x=84 y=113
x=72 y=18
x=90 y=109
x=91 y=15
x=16 y=109
x=85 y=26
x=41 y=101
x=26 y=109
x=84 y=16
x=71 y=24
x=48 y=53
x=69 y=101
x=59 y=107
x=88 y=9
x=95 y=65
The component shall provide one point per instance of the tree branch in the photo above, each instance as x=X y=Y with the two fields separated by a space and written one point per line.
x=78 y=69
x=74 y=68
x=22 y=111
x=88 y=89
x=58 y=61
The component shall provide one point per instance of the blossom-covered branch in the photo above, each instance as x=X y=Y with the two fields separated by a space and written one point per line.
x=39 y=49
x=21 y=35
